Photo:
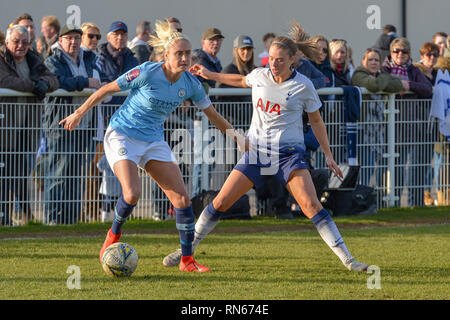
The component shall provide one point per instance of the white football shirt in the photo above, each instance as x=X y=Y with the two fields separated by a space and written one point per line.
x=278 y=108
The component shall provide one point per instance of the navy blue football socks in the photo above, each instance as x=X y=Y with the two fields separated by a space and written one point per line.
x=121 y=213
x=185 y=220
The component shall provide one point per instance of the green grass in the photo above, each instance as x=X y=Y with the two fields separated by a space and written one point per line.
x=271 y=265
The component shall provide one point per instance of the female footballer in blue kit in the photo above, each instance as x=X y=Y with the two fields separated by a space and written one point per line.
x=279 y=96
x=135 y=134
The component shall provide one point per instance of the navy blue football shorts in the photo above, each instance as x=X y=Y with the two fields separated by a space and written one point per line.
x=258 y=166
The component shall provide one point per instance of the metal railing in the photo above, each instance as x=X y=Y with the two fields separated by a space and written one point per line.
x=55 y=176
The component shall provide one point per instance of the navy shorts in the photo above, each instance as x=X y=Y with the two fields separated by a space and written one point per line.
x=258 y=167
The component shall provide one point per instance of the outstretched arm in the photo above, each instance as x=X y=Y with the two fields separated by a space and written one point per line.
x=320 y=132
x=73 y=120
x=234 y=80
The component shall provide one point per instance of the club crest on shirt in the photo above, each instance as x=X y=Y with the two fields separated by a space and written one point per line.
x=133 y=74
x=122 y=151
x=182 y=93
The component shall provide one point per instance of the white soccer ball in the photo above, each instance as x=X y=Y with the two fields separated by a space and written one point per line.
x=120 y=260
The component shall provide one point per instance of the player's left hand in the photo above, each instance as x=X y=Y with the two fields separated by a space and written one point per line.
x=333 y=167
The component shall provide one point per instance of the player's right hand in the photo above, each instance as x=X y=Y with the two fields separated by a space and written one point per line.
x=71 y=122
x=199 y=70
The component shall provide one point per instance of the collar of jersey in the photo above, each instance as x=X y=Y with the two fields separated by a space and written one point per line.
x=292 y=76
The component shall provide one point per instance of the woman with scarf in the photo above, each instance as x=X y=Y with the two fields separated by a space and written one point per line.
x=412 y=137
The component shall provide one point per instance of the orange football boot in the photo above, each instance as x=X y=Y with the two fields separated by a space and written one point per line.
x=110 y=239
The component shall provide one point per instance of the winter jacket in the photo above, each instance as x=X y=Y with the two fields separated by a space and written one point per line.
x=141 y=49
x=10 y=79
x=312 y=73
x=417 y=81
x=57 y=64
x=205 y=61
x=23 y=115
x=326 y=70
x=111 y=71
x=60 y=107
x=382 y=81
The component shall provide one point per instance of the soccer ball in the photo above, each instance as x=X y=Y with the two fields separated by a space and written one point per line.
x=120 y=260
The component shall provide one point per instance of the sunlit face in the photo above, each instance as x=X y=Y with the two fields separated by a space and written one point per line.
x=429 y=59
x=372 y=62
x=323 y=50
x=245 y=54
x=280 y=61
x=178 y=57
x=339 y=55
x=90 y=38
x=18 y=45
x=400 y=55
x=213 y=45
x=30 y=27
x=441 y=42
x=118 y=39
x=71 y=43
x=47 y=30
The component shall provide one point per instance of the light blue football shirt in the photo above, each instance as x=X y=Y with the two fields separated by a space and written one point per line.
x=151 y=100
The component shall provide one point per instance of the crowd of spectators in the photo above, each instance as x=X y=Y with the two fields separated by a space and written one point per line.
x=73 y=58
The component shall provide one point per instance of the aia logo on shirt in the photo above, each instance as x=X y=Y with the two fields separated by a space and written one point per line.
x=268 y=107
x=133 y=74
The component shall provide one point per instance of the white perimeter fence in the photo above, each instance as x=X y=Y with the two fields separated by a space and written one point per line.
x=56 y=176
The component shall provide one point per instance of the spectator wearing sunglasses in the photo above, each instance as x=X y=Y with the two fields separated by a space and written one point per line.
x=322 y=63
x=91 y=36
x=429 y=54
x=413 y=139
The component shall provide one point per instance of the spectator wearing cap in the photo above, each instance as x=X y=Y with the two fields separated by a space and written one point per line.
x=207 y=56
x=115 y=58
x=139 y=45
x=243 y=63
x=76 y=70
x=50 y=28
x=23 y=70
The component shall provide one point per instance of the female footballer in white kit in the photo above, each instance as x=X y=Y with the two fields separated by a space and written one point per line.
x=279 y=96
x=135 y=133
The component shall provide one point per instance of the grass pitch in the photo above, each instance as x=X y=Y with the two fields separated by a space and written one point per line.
x=264 y=259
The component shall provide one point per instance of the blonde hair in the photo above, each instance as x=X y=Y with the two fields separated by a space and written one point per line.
x=165 y=36
x=335 y=45
x=304 y=43
x=87 y=25
x=401 y=42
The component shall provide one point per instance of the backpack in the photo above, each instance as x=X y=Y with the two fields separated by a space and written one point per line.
x=239 y=210
x=360 y=200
